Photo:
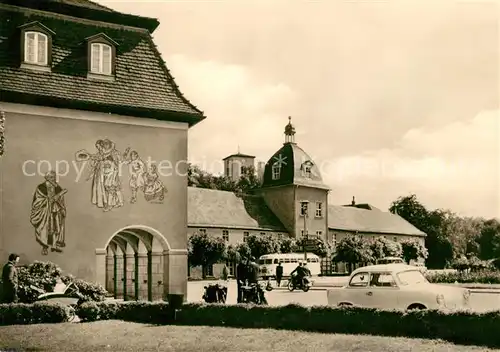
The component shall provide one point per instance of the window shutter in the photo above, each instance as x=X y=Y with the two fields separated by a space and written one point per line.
x=29 y=47
x=106 y=59
x=95 y=57
x=41 y=46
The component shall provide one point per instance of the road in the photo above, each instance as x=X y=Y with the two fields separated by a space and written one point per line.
x=480 y=302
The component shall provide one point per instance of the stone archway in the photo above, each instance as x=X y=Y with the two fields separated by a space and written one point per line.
x=137 y=263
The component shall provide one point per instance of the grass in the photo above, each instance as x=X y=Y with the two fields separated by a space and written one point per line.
x=132 y=337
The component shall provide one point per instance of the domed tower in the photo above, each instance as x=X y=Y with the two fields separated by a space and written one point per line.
x=293 y=189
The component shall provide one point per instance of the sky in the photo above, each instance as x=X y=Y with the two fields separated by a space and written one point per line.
x=389 y=98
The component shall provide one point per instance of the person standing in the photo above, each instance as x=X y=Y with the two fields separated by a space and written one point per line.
x=279 y=274
x=241 y=277
x=253 y=271
x=9 y=280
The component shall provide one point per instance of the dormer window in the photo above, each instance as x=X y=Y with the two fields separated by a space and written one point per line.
x=306 y=169
x=276 y=171
x=101 y=57
x=36 y=46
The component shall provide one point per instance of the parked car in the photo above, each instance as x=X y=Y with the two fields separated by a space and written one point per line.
x=396 y=286
x=390 y=260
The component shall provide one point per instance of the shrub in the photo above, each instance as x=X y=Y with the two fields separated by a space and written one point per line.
x=90 y=291
x=479 y=277
x=40 y=277
x=37 y=313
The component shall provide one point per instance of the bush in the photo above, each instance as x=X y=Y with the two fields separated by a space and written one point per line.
x=459 y=327
x=37 y=313
x=40 y=277
x=480 y=277
x=90 y=291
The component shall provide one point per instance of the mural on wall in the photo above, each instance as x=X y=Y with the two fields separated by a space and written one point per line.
x=105 y=174
x=137 y=169
x=154 y=190
x=48 y=214
x=106 y=188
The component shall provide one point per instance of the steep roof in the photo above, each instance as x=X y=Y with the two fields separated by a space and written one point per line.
x=373 y=221
x=214 y=208
x=85 y=3
x=293 y=160
x=143 y=85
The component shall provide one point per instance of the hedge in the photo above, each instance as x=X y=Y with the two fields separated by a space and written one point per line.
x=37 y=313
x=460 y=327
x=477 y=277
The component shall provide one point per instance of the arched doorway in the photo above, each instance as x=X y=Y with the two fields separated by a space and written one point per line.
x=135 y=264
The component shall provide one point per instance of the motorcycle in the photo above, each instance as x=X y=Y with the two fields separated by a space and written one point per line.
x=215 y=294
x=253 y=293
x=304 y=284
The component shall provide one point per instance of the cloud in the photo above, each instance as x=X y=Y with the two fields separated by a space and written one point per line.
x=456 y=166
x=241 y=109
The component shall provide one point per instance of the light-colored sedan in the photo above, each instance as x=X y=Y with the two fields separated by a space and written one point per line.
x=396 y=286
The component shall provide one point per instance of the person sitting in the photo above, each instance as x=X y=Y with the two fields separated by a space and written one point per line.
x=298 y=274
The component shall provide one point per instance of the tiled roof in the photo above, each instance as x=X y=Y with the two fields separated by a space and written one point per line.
x=293 y=160
x=214 y=208
x=143 y=85
x=373 y=221
x=85 y=3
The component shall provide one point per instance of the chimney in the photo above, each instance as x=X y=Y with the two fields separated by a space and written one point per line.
x=353 y=203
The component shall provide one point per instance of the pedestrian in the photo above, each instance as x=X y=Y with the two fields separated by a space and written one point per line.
x=253 y=271
x=225 y=273
x=241 y=277
x=279 y=274
x=9 y=280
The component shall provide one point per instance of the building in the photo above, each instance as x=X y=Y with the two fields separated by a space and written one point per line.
x=90 y=105
x=291 y=187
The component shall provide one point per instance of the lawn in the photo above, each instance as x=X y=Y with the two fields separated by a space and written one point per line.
x=123 y=336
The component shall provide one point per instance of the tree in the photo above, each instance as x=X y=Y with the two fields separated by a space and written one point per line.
x=262 y=244
x=238 y=253
x=202 y=179
x=413 y=250
x=205 y=250
x=489 y=240
x=287 y=245
x=352 y=250
x=248 y=180
x=381 y=247
x=433 y=223
x=319 y=245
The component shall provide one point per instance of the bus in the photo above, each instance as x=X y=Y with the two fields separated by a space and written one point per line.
x=289 y=261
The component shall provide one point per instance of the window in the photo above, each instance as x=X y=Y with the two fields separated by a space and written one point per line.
x=203 y=231
x=319 y=209
x=276 y=171
x=303 y=208
x=319 y=234
x=382 y=280
x=36 y=47
x=245 y=235
x=395 y=239
x=302 y=233
x=225 y=235
x=307 y=171
x=210 y=270
x=100 y=59
x=262 y=233
x=228 y=171
x=359 y=280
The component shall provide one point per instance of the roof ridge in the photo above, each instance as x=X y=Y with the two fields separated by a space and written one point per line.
x=170 y=78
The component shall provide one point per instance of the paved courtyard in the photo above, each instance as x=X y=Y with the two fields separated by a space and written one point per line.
x=317 y=296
